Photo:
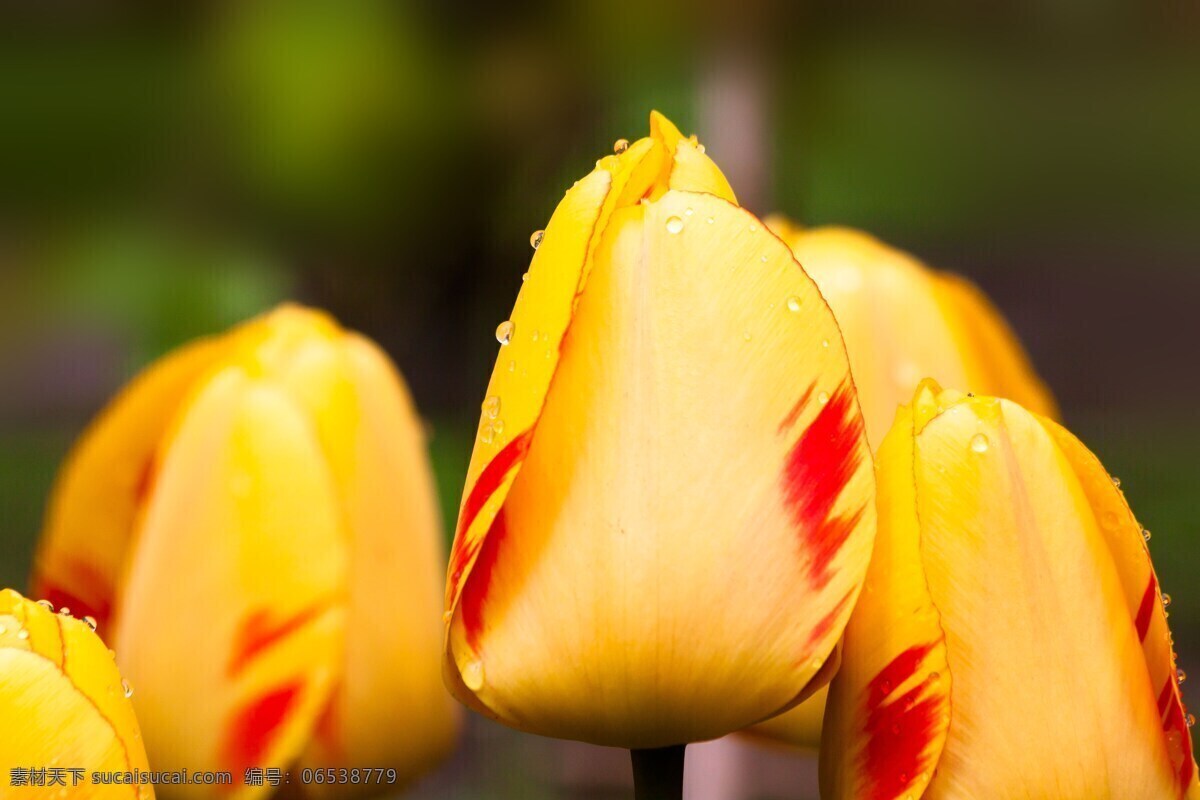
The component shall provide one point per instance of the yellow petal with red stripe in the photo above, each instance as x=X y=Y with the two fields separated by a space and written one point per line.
x=241 y=566
x=374 y=443
x=1051 y=692
x=889 y=704
x=62 y=705
x=903 y=322
x=532 y=336
x=90 y=518
x=692 y=521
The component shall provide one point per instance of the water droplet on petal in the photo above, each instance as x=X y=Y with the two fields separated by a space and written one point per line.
x=1116 y=481
x=753 y=228
x=485 y=433
x=512 y=366
x=700 y=149
x=64 y=611
x=674 y=224
x=823 y=398
x=524 y=276
x=472 y=675
x=491 y=406
x=498 y=426
x=90 y=621
x=1191 y=720
x=504 y=332
x=1166 y=598
x=46 y=604
x=1180 y=676
x=535 y=336
x=126 y=688
x=979 y=443
x=535 y=238
x=1146 y=534
x=688 y=212
x=793 y=304
x=620 y=146
x=22 y=634
x=710 y=220
x=824 y=343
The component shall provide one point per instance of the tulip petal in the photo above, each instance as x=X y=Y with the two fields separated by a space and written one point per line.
x=62 y=703
x=265 y=595
x=1049 y=686
x=90 y=518
x=889 y=705
x=1143 y=597
x=686 y=359
x=374 y=443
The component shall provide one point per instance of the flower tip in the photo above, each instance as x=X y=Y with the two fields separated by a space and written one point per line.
x=663 y=130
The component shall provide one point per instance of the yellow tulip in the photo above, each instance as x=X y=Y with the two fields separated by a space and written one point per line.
x=253 y=521
x=668 y=511
x=1011 y=640
x=64 y=710
x=901 y=322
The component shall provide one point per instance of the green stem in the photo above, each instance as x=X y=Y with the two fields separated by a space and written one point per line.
x=658 y=773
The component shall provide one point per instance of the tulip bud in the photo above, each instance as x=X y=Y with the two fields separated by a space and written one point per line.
x=253 y=520
x=64 y=709
x=1010 y=640
x=902 y=322
x=668 y=511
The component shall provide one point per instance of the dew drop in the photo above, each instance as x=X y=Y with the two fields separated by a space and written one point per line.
x=498 y=426
x=512 y=366
x=980 y=443
x=46 y=604
x=486 y=435
x=22 y=634
x=491 y=406
x=536 y=335
x=823 y=398
x=504 y=332
x=688 y=212
x=1191 y=720
x=763 y=259
x=535 y=238
x=472 y=675
x=1146 y=534
x=700 y=149
x=710 y=220
x=1116 y=481
x=524 y=276
x=824 y=343
x=753 y=228
x=126 y=688
x=620 y=146
x=793 y=304
x=674 y=224
x=1180 y=676
x=90 y=621
x=64 y=611
x=1166 y=600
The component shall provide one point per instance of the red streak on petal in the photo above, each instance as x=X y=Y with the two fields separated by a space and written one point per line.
x=899 y=732
x=1179 y=736
x=819 y=466
x=89 y=596
x=797 y=410
x=474 y=594
x=261 y=630
x=485 y=486
x=250 y=732
x=825 y=625
x=1146 y=610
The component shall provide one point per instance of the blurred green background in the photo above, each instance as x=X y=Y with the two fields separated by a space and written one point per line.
x=169 y=169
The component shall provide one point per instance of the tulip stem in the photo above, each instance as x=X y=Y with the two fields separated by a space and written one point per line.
x=658 y=773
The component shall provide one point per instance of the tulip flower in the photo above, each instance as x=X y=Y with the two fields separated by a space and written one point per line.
x=668 y=509
x=253 y=522
x=902 y=322
x=1011 y=640
x=64 y=710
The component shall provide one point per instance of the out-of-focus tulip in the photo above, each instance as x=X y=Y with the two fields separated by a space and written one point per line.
x=64 y=710
x=1011 y=640
x=903 y=322
x=669 y=507
x=253 y=522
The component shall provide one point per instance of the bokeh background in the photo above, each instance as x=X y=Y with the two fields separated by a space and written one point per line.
x=167 y=169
